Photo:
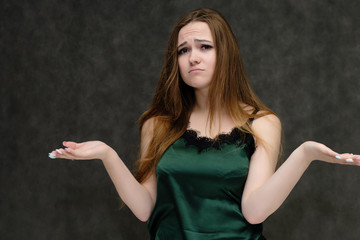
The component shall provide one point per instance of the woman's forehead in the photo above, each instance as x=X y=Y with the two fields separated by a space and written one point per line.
x=194 y=30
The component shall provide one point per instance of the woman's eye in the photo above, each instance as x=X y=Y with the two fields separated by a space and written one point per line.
x=205 y=47
x=182 y=51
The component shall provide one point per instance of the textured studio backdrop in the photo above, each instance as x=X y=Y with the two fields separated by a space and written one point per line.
x=84 y=70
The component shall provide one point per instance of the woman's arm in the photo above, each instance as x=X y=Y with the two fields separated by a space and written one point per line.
x=265 y=190
x=140 y=198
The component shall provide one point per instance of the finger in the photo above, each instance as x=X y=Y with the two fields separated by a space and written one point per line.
x=60 y=153
x=353 y=159
x=52 y=155
x=55 y=154
x=348 y=158
x=69 y=144
x=357 y=159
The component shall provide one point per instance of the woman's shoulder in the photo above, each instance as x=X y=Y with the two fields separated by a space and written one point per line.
x=264 y=115
x=266 y=118
x=262 y=120
x=267 y=126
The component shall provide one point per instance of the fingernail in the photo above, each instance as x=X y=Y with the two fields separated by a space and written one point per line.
x=51 y=155
x=351 y=154
x=338 y=157
x=59 y=151
x=349 y=160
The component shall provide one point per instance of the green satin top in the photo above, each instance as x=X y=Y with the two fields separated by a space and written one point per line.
x=200 y=182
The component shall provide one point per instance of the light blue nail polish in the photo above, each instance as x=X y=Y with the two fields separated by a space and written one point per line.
x=349 y=160
x=338 y=157
x=51 y=155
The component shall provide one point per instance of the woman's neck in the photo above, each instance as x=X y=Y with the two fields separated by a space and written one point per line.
x=199 y=118
x=202 y=101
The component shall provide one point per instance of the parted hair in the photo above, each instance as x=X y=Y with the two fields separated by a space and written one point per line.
x=174 y=100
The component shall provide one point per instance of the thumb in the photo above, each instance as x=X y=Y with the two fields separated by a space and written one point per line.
x=70 y=144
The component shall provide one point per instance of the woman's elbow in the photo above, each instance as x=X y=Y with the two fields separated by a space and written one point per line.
x=144 y=215
x=143 y=218
x=254 y=221
x=254 y=218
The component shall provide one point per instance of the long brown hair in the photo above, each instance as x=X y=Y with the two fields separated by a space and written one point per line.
x=174 y=100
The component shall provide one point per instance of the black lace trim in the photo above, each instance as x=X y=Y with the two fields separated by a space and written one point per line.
x=236 y=136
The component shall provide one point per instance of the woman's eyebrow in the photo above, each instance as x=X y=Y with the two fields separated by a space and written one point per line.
x=195 y=40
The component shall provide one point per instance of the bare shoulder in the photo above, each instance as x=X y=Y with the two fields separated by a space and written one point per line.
x=267 y=128
x=267 y=120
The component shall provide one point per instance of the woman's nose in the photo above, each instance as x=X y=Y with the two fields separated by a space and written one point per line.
x=194 y=58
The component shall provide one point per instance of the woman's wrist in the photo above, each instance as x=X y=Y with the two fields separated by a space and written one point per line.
x=310 y=151
x=109 y=154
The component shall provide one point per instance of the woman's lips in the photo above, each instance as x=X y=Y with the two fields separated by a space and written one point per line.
x=196 y=70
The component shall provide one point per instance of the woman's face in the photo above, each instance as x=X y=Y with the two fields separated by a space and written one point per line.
x=196 y=55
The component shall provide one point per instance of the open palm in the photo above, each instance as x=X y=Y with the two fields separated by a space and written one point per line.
x=81 y=151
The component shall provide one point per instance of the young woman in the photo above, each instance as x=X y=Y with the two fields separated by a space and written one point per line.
x=209 y=147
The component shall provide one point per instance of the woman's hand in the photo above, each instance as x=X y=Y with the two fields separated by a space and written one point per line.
x=82 y=151
x=318 y=151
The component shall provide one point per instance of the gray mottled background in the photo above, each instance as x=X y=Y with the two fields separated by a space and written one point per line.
x=83 y=70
